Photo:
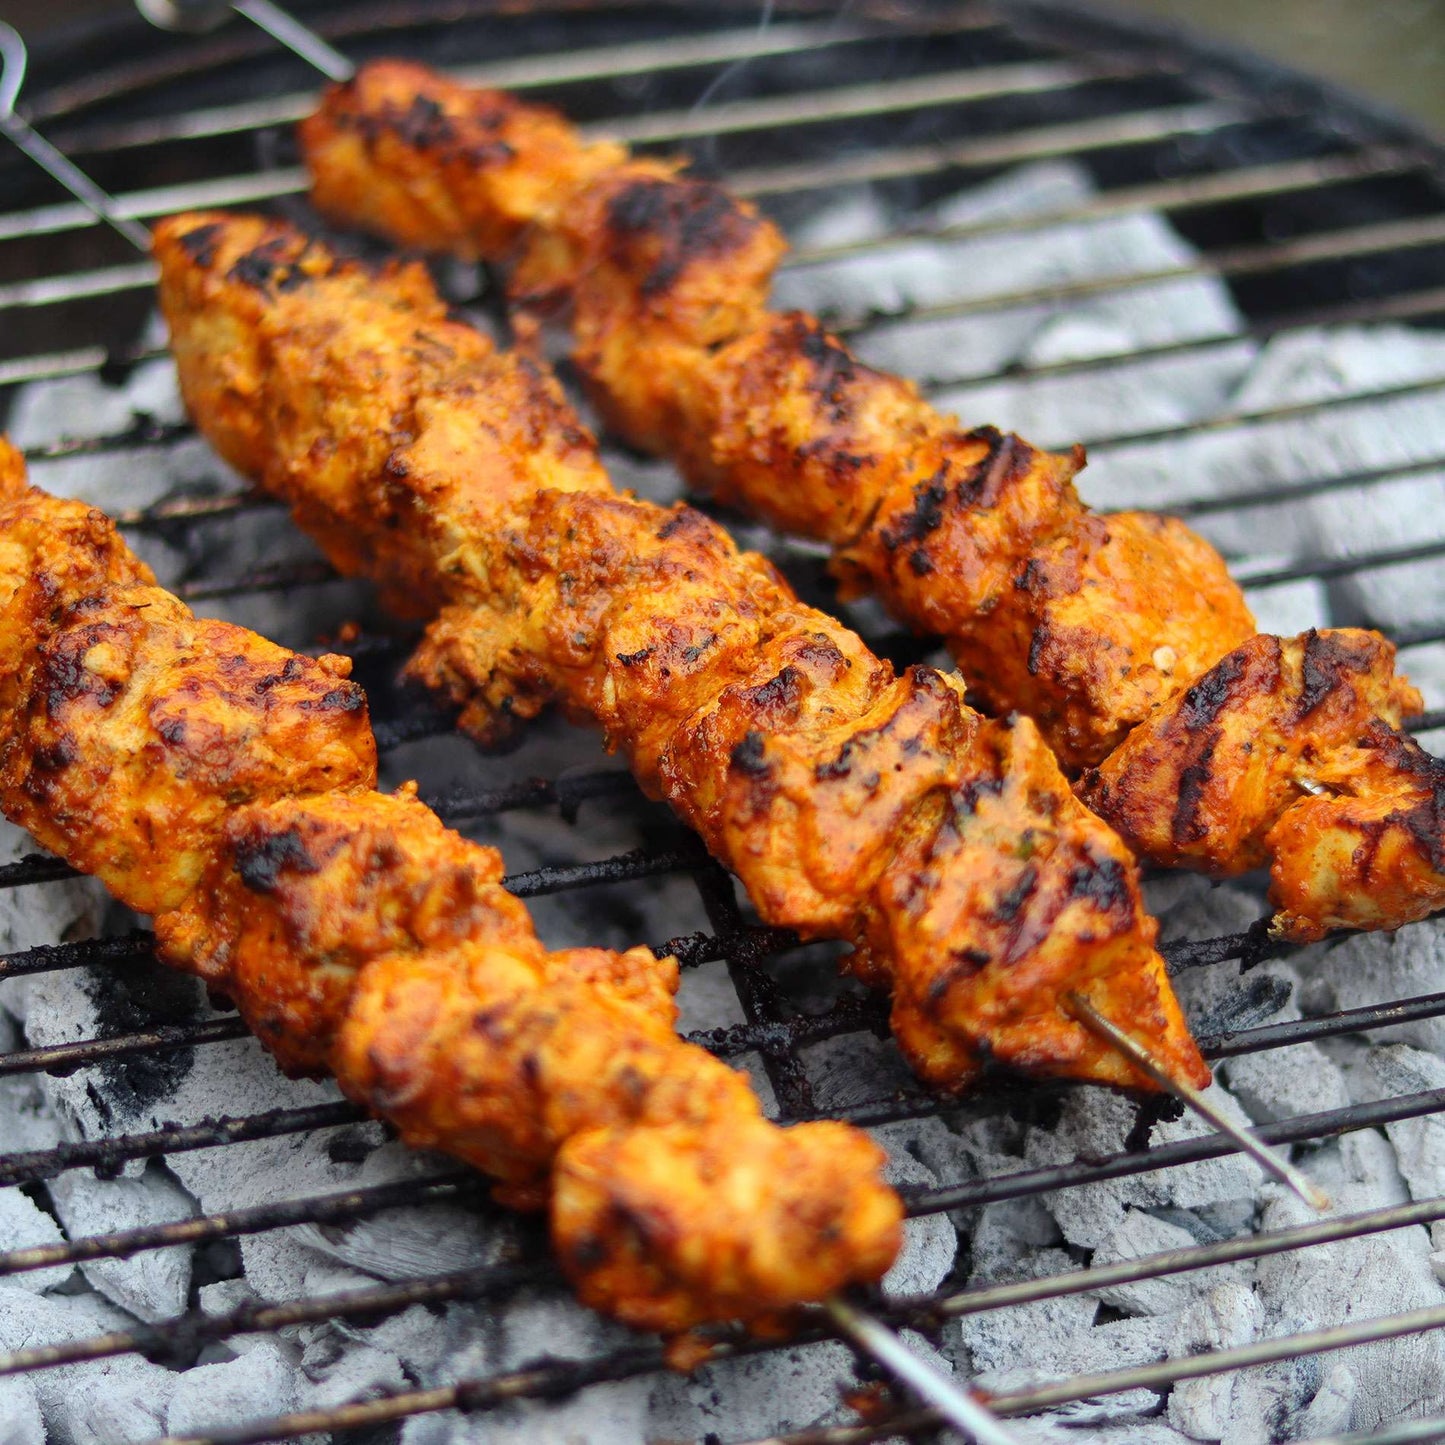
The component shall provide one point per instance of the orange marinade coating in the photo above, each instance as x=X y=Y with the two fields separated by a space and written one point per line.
x=226 y=786
x=1288 y=752
x=852 y=802
x=1098 y=627
x=1084 y=623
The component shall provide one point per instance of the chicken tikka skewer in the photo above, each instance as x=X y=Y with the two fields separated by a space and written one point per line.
x=226 y=786
x=1205 y=744
x=852 y=802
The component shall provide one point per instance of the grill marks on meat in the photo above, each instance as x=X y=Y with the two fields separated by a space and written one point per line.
x=226 y=786
x=975 y=536
x=851 y=801
x=1288 y=752
x=1100 y=628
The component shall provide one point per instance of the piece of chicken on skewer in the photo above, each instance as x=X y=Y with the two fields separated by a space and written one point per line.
x=1122 y=635
x=852 y=802
x=226 y=786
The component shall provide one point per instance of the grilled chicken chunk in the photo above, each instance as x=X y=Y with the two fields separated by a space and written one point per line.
x=852 y=802
x=1100 y=628
x=226 y=786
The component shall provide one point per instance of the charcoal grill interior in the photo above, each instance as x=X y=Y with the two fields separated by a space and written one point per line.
x=1314 y=208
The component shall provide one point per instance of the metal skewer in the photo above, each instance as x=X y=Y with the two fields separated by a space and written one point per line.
x=1270 y=1160
x=953 y=1403
x=12 y=77
x=279 y=24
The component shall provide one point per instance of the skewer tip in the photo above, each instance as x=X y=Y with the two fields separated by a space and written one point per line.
x=1139 y=1054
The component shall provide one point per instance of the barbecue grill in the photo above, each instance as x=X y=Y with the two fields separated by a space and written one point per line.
x=1316 y=208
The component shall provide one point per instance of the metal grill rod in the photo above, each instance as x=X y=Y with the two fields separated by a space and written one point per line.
x=1126 y=129
x=171 y=1337
x=766 y=1037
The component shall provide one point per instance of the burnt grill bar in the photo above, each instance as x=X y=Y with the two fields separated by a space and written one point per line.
x=1166 y=133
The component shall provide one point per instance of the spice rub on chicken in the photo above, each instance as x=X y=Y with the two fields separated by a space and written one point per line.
x=1099 y=627
x=227 y=787
x=1083 y=622
x=851 y=801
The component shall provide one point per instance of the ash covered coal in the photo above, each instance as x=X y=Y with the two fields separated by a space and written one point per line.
x=978 y=360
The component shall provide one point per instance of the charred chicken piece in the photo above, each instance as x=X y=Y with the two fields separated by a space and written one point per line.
x=974 y=535
x=1287 y=752
x=1100 y=628
x=226 y=786
x=852 y=802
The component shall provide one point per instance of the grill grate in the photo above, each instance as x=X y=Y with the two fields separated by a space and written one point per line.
x=1315 y=209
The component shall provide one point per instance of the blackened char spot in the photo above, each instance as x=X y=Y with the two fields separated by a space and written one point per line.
x=691 y=654
x=1037 y=643
x=838 y=767
x=258 y=267
x=1320 y=670
x=748 y=756
x=919 y=562
x=1186 y=826
x=780 y=691
x=53 y=757
x=1103 y=881
x=424 y=125
x=986 y=478
x=1008 y=906
x=348 y=697
x=631 y=659
x=924 y=517
x=963 y=963
x=1206 y=699
x=200 y=244
x=833 y=366
x=675 y=222
x=260 y=860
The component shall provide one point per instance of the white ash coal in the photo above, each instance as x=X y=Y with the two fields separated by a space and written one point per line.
x=1095 y=387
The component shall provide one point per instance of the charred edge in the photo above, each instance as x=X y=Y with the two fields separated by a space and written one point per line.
x=677 y=222
x=265 y=265
x=924 y=517
x=1207 y=698
x=1322 y=670
x=1103 y=882
x=1005 y=460
x=294 y=669
x=260 y=861
x=1186 y=827
x=201 y=244
x=749 y=756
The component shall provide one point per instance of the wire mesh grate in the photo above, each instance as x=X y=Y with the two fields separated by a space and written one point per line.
x=1315 y=210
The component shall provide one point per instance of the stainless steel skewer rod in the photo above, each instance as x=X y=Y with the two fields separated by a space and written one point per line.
x=13 y=57
x=962 y=1410
x=279 y=24
x=954 y=1404
x=1270 y=1160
